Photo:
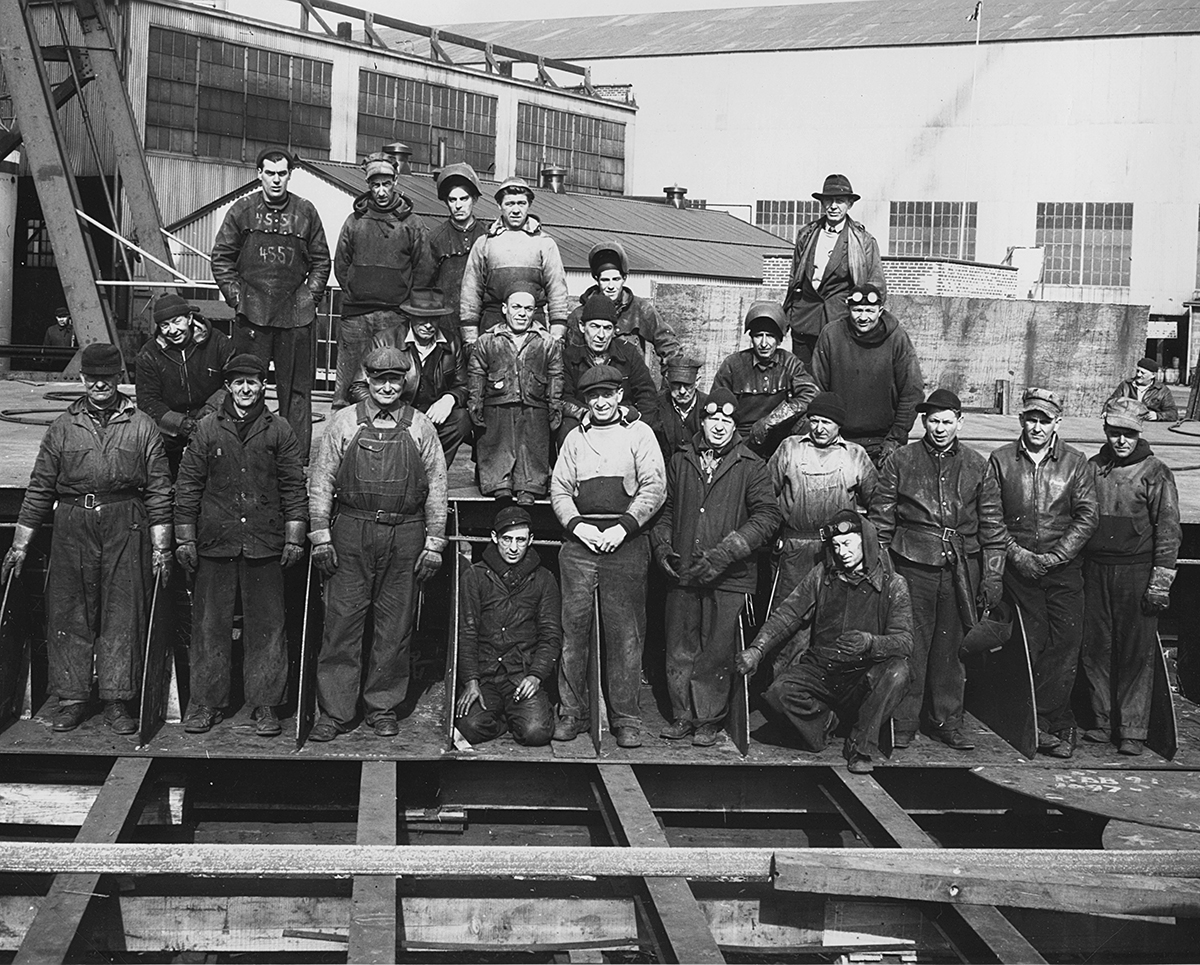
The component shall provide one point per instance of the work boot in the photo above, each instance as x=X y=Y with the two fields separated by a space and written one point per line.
x=117 y=717
x=1066 y=744
x=1097 y=735
x=267 y=722
x=202 y=719
x=953 y=737
x=902 y=738
x=676 y=730
x=526 y=499
x=568 y=728
x=69 y=716
x=386 y=725
x=1046 y=741
x=1131 y=747
x=325 y=729
x=706 y=735
x=860 y=764
x=628 y=736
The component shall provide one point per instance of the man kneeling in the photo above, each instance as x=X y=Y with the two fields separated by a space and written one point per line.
x=509 y=638
x=850 y=626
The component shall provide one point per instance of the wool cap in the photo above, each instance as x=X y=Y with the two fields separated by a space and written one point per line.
x=266 y=152
x=1148 y=364
x=245 y=363
x=600 y=306
x=829 y=405
x=101 y=359
x=718 y=399
x=170 y=306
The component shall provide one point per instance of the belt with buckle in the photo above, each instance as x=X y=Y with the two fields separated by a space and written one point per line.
x=380 y=516
x=96 y=500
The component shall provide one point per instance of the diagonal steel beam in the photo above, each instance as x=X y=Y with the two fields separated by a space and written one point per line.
x=373 y=900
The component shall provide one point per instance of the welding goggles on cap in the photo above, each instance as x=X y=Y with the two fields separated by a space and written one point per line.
x=840 y=528
x=725 y=408
x=866 y=296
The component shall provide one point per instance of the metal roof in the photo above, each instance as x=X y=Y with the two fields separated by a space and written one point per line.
x=862 y=23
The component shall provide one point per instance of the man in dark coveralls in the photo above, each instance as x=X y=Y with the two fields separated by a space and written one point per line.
x=450 y=242
x=851 y=626
x=382 y=460
x=103 y=461
x=241 y=511
x=271 y=262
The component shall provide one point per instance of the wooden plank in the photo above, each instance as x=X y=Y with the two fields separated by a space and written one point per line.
x=53 y=929
x=373 y=900
x=451 y=684
x=1000 y=691
x=1125 y=835
x=67 y=805
x=683 y=922
x=987 y=922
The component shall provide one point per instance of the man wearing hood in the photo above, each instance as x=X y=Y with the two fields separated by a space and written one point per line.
x=179 y=372
x=1129 y=566
x=638 y=322
x=514 y=251
x=451 y=242
x=719 y=510
x=382 y=255
x=850 y=627
x=868 y=357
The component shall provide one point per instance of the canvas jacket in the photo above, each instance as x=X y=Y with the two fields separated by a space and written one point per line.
x=1139 y=510
x=175 y=384
x=499 y=373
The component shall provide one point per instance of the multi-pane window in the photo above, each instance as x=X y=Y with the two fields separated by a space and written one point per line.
x=591 y=149
x=212 y=98
x=441 y=125
x=38 y=253
x=1086 y=243
x=785 y=218
x=933 y=229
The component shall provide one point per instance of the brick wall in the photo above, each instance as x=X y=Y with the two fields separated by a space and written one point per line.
x=777 y=269
x=923 y=276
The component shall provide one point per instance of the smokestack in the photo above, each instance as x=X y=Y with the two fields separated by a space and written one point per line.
x=676 y=195
x=344 y=29
x=554 y=179
x=401 y=154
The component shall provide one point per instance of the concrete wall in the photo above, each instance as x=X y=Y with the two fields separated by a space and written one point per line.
x=965 y=344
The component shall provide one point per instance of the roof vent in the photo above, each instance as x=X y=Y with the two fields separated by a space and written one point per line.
x=676 y=195
x=344 y=30
x=401 y=154
x=554 y=179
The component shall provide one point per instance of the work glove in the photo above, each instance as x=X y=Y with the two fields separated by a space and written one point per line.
x=14 y=559
x=359 y=391
x=991 y=592
x=668 y=560
x=187 y=426
x=161 y=536
x=324 y=558
x=715 y=561
x=758 y=432
x=187 y=557
x=1026 y=563
x=292 y=554
x=887 y=448
x=853 y=644
x=428 y=563
x=293 y=549
x=160 y=561
x=1158 y=591
x=748 y=660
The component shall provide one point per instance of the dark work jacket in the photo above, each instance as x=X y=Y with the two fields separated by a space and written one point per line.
x=174 y=384
x=1157 y=398
x=499 y=373
x=381 y=256
x=1049 y=507
x=638 y=322
x=1139 y=510
x=443 y=372
x=778 y=391
x=922 y=493
x=509 y=624
x=639 y=388
x=698 y=515
x=675 y=434
x=240 y=493
x=853 y=261
x=449 y=247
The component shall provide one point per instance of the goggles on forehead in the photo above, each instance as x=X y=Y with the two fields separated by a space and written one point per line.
x=840 y=528
x=863 y=300
x=725 y=408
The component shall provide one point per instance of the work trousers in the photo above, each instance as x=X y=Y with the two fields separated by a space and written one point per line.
x=374 y=575
x=796 y=559
x=620 y=577
x=454 y=432
x=513 y=450
x=291 y=349
x=531 y=720
x=1052 y=607
x=354 y=337
x=938 y=677
x=1119 y=641
x=811 y=689
x=98 y=598
x=702 y=640
x=264 y=647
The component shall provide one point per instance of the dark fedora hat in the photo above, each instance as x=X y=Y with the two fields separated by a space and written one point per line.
x=940 y=399
x=426 y=302
x=836 y=186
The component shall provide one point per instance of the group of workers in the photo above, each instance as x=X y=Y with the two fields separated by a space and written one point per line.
x=890 y=559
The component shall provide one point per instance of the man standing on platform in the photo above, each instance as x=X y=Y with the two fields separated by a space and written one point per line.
x=938 y=510
x=1049 y=501
x=868 y=357
x=608 y=483
x=271 y=262
x=241 y=511
x=1129 y=567
x=382 y=460
x=1158 y=400
x=101 y=469
x=450 y=242
x=831 y=254
x=680 y=407
x=62 y=333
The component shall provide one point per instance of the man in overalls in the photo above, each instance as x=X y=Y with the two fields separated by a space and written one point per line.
x=383 y=461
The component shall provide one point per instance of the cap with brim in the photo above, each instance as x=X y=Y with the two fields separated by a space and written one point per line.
x=1125 y=414
x=510 y=517
x=386 y=360
x=836 y=186
x=378 y=164
x=100 y=359
x=940 y=399
x=245 y=364
x=1148 y=364
x=600 y=377
x=514 y=186
x=62 y=313
x=683 y=370
x=1041 y=400
x=426 y=303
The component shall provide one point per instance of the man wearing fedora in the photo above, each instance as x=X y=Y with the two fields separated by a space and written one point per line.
x=868 y=357
x=271 y=261
x=451 y=241
x=382 y=255
x=832 y=254
x=1049 y=502
x=436 y=381
x=102 y=471
x=937 y=509
x=1158 y=400
x=514 y=251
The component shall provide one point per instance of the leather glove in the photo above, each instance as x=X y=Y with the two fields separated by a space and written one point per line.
x=187 y=557
x=887 y=448
x=1158 y=591
x=717 y=560
x=428 y=563
x=293 y=535
x=292 y=554
x=1048 y=560
x=667 y=560
x=853 y=644
x=758 y=432
x=991 y=591
x=187 y=427
x=748 y=660
x=160 y=562
x=324 y=558
x=359 y=391
x=1027 y=563
x=476 y=413
x=14 y=559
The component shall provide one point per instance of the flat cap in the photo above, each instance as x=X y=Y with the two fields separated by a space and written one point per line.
x=600 y=377
x=245 y=363
x=386 y=360
x=509 y=517
x=1041 y=400
x=1148 y=364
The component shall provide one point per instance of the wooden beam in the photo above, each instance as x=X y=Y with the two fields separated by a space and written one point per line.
x=373 y=901
x=67 y=805
x=988 y=923
x=53 y=929
x=683 y=923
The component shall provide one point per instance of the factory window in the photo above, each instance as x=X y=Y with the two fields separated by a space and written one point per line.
x=38 y=253
x=784 y=218
x=211 y=98
x=932 y=229
x=440 y=125
x=592 y=150
x=1085 y=243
